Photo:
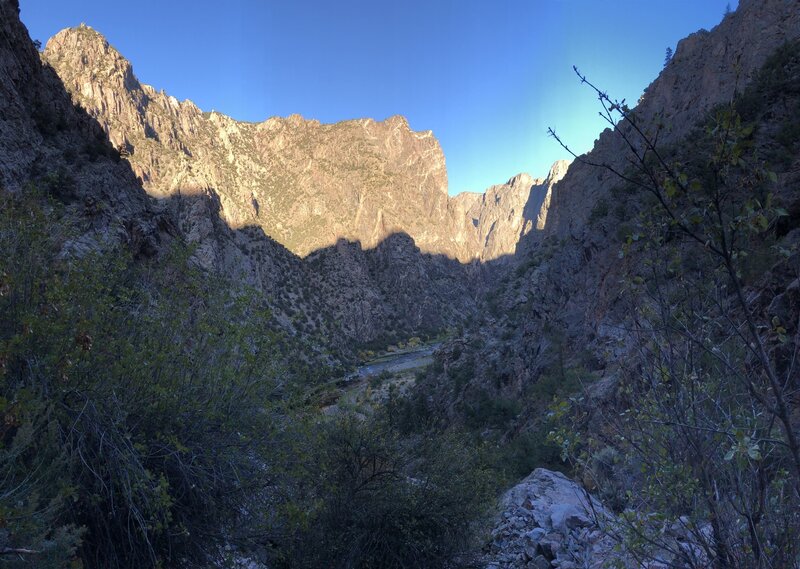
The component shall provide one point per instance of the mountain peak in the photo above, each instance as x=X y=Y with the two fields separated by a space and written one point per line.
x=398 y=121
x=522 y=178
x=82 y=51
x=391 y=179
x=81 y=36
x=558 y=170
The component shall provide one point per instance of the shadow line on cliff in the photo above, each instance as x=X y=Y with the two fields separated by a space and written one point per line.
x=78 y=165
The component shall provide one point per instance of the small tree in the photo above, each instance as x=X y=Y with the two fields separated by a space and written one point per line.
x=668 y=56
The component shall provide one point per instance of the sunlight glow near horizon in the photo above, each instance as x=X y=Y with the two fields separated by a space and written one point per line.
x=488 y=78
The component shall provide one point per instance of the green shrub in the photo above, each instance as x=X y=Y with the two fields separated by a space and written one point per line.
x=34 y=499
x=462 y=373
x=371 y=498
x=527 y=451
x=142 y=395
x=483 y=409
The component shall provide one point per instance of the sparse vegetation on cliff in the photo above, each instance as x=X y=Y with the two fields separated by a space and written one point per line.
x=154 y=414
x=705 y=433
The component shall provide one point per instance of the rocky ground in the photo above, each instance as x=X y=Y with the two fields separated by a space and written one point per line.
x=548 y=521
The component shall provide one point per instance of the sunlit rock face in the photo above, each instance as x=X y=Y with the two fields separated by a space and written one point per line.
x=306 y=184
x=342 y=295
x=374 y=246
x=495 y=221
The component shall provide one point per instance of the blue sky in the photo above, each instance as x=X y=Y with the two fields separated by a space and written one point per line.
x=487 y=76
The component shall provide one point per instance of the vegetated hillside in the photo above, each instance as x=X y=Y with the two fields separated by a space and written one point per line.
x=660 y=304
x=155 y=413
x=567 y=278
x=306 y=184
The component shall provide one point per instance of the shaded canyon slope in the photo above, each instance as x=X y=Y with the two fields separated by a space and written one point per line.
x=561 y=305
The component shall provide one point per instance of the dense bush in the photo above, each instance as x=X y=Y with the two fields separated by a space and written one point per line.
x=487 y=410
x=362 y=495
x=152 y=415
x=517 y=457
x=135 y=399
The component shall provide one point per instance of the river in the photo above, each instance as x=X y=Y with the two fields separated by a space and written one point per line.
x=395 y=363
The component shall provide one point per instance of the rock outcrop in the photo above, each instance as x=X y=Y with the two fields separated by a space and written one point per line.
x=548 y=521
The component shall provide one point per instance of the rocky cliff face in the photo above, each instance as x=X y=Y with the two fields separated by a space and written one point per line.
x=505 y=213
x=708 y=68
x=344 y=295
x=50 y=146
x=306 y=184
x=568 y=275
x=364 y=202
x=45 y=141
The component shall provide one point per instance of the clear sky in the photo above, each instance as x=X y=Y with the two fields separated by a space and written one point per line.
x=487 y=76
